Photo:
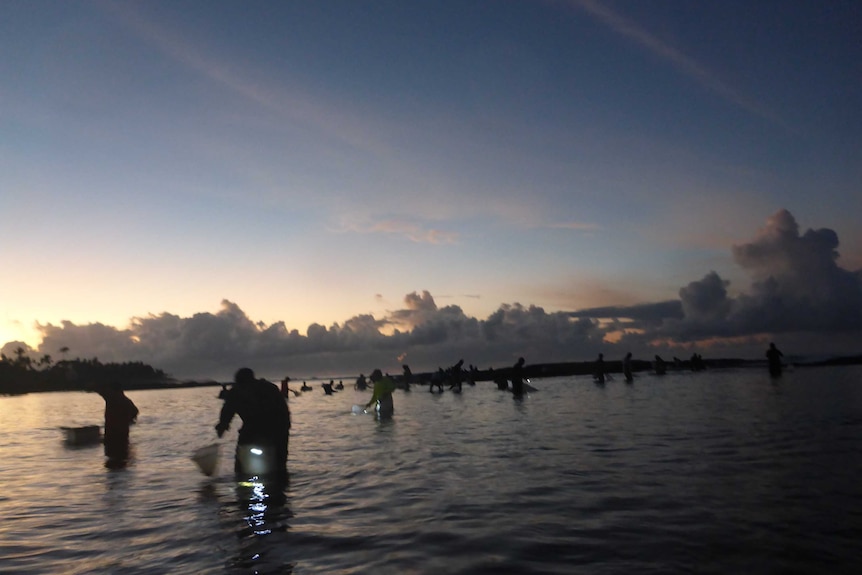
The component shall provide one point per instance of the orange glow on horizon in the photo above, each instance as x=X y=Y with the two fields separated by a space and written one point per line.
x=712 y=342
x=617 y=335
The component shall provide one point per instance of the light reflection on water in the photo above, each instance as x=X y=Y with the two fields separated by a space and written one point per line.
x=714 y=472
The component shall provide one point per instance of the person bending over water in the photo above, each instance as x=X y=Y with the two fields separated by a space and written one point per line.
x=382 y=395
x=599 y=373
x=360 y=384
x=660 y=366
x=518 y=378
x=261 y=448
x=120 y=413
x=406 y=378
x=627 y=367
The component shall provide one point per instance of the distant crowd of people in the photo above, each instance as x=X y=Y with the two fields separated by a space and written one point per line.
x=262 y=442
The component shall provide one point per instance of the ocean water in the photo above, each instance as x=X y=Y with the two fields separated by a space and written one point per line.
x=713 y=472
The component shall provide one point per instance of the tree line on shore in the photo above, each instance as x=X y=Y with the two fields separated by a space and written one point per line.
x=23 y=374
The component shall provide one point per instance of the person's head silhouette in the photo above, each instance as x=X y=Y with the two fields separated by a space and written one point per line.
x=244 y=375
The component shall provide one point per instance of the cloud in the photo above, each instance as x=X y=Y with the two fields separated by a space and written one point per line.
x=649 y=312
x=576 y=226
x=796 y=286
x=419 y=309
x=104 y=342
x=679 y=60
x=10 y=348
x=797 y=292
x=413 y=231
x=216 y=344
x=288 y=101
x=797 y=281
x=705 y=300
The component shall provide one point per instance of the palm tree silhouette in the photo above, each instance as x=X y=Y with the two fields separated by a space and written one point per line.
x=22 y=360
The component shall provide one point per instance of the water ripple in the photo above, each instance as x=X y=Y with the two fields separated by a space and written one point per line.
x=721 y=472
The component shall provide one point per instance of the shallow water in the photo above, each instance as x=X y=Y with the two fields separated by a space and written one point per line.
x=712 y=472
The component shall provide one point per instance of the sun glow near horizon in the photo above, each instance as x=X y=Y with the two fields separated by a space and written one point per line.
x=12 y=331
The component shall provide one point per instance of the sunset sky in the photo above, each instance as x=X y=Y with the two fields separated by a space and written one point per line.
x=187 y=183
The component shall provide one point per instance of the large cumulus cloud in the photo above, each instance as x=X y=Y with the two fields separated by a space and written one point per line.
x=798 y=284
x=797 y=288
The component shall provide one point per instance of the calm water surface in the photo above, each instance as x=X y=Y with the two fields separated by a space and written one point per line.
x=714 y=472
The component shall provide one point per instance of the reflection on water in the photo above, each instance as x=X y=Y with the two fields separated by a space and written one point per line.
x=128 y=458
x=260 y=518
x=715 y=472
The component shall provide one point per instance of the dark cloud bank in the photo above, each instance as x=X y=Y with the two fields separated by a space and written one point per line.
x=798 y=296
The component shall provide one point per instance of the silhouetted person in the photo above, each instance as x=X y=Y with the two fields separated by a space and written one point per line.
x=660 y=366
x=437 y=379
x=455 y=375
x=773 y=357
x=627 y=368
x=406 y=377
x=327 y=388
x=340 y=385
x=120 y=413
x=284 y=388
x=382 y=396
x=599 y=371
x=261 y=448
x=305 y=387
x=697 y=362
x=360 y=384
x=472 y=374
x=517 y=376
x=502 y=383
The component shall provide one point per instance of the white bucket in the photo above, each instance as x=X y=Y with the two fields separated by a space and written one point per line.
x=207 y=458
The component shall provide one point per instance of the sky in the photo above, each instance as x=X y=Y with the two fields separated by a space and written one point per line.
x=328 y=187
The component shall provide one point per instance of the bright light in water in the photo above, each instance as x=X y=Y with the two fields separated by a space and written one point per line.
x=256 y=451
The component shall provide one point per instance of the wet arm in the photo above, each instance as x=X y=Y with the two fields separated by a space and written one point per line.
x=376 y=395
x=133 y=411
x=227 y=413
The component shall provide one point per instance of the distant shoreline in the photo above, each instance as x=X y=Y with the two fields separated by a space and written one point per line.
x=532 y=371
